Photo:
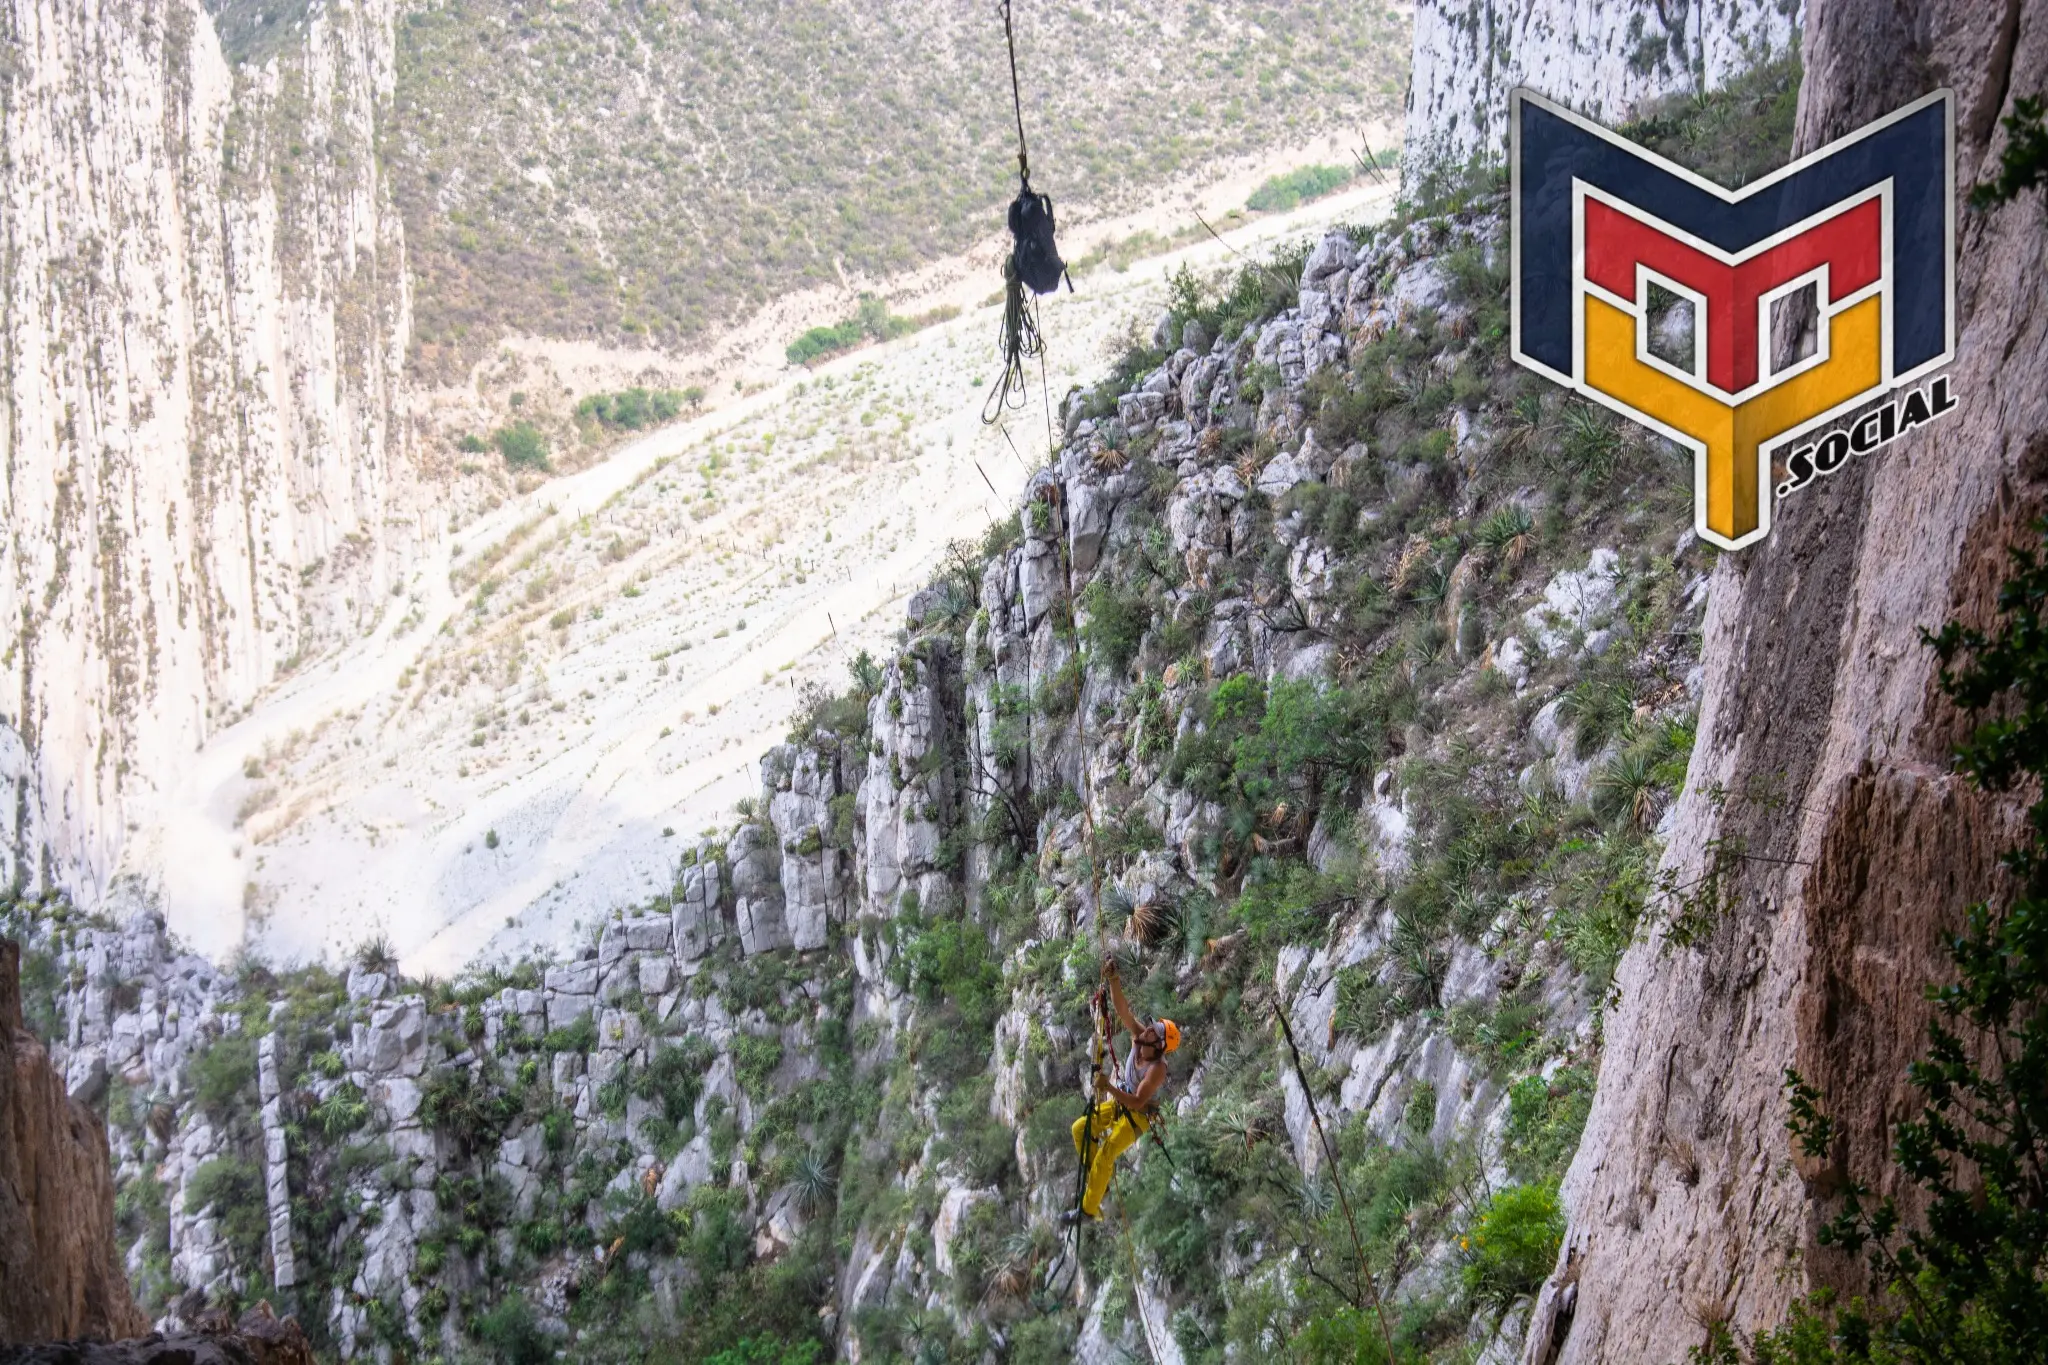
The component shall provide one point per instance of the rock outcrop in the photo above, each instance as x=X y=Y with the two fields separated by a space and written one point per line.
x=60 y=1269
x=259 y=1337
x=1603 y=58
x=1822 y=722
x=204 y=467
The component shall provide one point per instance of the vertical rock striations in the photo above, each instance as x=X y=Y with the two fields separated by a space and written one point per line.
x=1822 y=721
x=1603 y=58
x=60 y=1272
x=203 y=468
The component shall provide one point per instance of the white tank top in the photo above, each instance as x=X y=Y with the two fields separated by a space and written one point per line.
x=1130 y=1085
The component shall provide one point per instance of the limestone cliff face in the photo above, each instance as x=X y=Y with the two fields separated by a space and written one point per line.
x=1603 y=57
x=203 y=465
x=1822 y=720
x=704 y=1041
x=60 y=1272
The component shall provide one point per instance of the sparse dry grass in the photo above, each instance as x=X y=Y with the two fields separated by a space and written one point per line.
x=640 y=173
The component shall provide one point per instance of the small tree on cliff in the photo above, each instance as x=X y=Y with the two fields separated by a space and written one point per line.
x=1966 y=1286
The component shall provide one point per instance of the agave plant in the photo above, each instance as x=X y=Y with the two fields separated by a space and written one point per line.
x=1313 y=1198
x=1627 y=788
x=1590 y=443
x=1236 y=1125
x=1427 y=641
x=1155 y=921
x=377 y=955
x=1432 y=585
x=1599 y=710
x=1422 y=961
x=1504 y=536
x=1524 y=422
x=814 y=1184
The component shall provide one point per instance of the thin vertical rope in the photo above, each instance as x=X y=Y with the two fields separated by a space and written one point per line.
x=1016 y=98
x=1337 y=1179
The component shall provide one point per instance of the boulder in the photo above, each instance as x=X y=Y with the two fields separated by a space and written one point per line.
x=754 y=856
x=695 y=923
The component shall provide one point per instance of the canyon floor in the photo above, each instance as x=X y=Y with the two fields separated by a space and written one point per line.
x=589 y=673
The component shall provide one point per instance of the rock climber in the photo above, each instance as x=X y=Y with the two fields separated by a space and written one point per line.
x=1121 y=1114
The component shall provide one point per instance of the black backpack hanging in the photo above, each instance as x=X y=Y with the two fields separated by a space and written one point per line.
x=1034 y=263
x=1036 y=256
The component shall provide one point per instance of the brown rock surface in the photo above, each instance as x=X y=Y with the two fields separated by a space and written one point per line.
x=260 y=1338
x=60 y=1271
x=1822 y=719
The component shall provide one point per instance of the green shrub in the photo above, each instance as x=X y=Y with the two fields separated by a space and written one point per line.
x=674 y=1077
x=2024 y=163
x=579 y=1035
x=233 y=1188
x=1348 y=1336
x=1600 y=709
x=223 y=1077
x=636 y=408
x=341 y=1113
x=1512 y=1246
x=523 y=445
x=512 y=1332
x=1602 y=901
x=1291 y=189
x=558 y=1128
x=1116 y=623
x=468 y=1107
x=872 y=321
x=1300 y=742
x=719 y=1242
x=1731 y=135
x=1545 y=1119
x=762 y=1351
x=951 y=960
x=541 y=1237
x=1060 y=693
x=754 y=1059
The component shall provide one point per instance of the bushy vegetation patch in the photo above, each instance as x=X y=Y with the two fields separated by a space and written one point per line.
x=1291 y=189
x=637 y=409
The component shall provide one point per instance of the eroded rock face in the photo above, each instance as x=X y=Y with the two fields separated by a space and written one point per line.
x=60 y=1271
x=1603 y=57
x=201 y=355
x=1685 y=1201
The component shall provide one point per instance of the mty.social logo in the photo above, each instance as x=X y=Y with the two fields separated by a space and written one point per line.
x=1868 y=222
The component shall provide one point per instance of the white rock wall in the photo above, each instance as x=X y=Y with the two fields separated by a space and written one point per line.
x=203 y=466
x=1602 y=57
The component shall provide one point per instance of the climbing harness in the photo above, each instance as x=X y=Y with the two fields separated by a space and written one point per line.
x=1034 y=263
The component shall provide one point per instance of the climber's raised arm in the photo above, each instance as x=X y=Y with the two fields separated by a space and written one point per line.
x=1116 y=996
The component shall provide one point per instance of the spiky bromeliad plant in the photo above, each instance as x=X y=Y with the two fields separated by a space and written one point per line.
x=1966 y=1284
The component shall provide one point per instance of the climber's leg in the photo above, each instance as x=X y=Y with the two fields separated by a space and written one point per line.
x=1125 y=1131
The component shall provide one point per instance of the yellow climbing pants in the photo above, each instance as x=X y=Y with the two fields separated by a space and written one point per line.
x=1113 y=1132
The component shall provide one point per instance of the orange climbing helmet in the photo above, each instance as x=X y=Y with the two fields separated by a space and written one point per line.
x=1169 y=1033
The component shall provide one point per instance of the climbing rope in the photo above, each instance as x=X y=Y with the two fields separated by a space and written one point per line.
x=1336 y=1178
x=1016 y=98
x=1034 y=263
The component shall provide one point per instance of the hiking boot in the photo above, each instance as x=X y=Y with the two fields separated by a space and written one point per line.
x=1074 y=1218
